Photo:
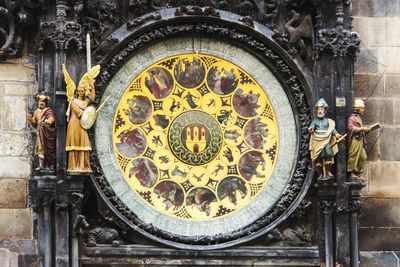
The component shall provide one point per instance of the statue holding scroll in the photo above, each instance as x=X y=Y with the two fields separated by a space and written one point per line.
x=357 y=142
x=77 y=143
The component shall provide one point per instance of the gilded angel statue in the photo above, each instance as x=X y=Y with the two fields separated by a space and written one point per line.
x=79 y=99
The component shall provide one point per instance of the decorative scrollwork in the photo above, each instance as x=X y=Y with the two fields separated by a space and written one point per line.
x=297 y=35
x=14 y=16
x=139 y=21
x=61 y=36
x=100 y=19
x=302 y=209
x=339 y=43
x=196 y=10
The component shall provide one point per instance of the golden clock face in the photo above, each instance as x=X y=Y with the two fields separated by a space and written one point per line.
x=195 y=137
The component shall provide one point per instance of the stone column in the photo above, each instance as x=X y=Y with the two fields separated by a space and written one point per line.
x=42 y=200
x=62 y=221
x=326 y=194
x=354 y=208
x=76 y=189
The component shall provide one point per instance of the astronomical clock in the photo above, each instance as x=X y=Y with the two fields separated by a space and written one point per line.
x=198 y=143
x=198 y=130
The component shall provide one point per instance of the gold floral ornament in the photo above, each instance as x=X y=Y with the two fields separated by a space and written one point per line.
x=80 y=117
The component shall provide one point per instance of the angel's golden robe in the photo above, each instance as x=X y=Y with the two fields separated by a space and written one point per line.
x=77 y=143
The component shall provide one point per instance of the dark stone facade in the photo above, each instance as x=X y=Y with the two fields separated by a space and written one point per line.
x=311 y=49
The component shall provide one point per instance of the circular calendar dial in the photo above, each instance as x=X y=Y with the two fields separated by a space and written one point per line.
x=195 y=137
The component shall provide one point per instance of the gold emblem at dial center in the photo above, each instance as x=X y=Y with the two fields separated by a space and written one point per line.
x=195 y=137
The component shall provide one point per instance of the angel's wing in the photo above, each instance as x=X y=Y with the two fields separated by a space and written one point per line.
x=94 y=71
x=88 y=78
x=71 y=86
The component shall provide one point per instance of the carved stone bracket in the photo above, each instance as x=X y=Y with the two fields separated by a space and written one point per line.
x=327 y=206
x=354 y=200
x=42 y=192
x=61 y=198
x=326 y=195
x=61 y=201
x=353 y=206
x=338 y=43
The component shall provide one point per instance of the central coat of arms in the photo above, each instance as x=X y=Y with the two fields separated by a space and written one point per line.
x=195 y=137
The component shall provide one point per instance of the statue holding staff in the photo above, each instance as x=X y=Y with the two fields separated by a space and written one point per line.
x=77 y=143
x=323 y=141
x=44 y=120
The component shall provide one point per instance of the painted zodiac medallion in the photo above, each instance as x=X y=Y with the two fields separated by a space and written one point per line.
x=195 y=137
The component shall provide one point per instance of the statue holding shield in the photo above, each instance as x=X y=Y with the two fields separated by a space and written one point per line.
x=77 y=142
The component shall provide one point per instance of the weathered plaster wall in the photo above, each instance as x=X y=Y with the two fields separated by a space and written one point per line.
x=17 y=83
x=377 y=78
